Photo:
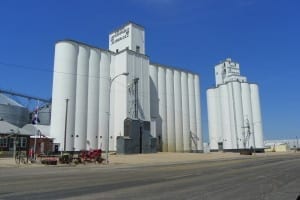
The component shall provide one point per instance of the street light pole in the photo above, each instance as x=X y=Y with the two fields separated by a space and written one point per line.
x=108 y=112
x=36 y=121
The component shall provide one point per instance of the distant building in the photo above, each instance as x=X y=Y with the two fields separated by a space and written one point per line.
x=234 y=116
x=166 y=98
x=281 y=145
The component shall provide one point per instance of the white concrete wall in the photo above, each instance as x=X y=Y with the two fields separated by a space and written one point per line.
x=138 y=67
x=120 y=39
x=240 y=108
x=129 y=36
x=170 y=110
x=198 y=113
x=82 y=73
x=232 y=114
x=118 y=102
x=257 y=119
x=162 y=107
x=64 y=87
x=185 y=113
x=92 y=119
x=138 y=39
x=154 y=111
x=192 y=112
x=247 y=112
x=153 y=72
x=225 y=112
x=239 y=117
x=104 y=99
x=213 y=113
x=178 y=111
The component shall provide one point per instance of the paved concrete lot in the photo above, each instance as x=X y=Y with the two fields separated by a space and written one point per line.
x=230 y=177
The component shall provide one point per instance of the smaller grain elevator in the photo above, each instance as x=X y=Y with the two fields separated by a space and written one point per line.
x=234 y=116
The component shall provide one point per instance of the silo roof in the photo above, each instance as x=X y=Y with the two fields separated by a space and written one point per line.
x=6 y=127
x=8 y=101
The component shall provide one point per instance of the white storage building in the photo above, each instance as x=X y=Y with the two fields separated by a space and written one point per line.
x=84 y=105
x=234 y=116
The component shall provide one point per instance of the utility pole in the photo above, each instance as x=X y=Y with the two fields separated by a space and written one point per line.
x=66 y=123
x=36 y=121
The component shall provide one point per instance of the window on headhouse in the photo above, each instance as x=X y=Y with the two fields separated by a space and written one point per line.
x=117 y=50
x=137 y=49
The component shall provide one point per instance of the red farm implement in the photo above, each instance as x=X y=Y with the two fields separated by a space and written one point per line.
x=90 y=156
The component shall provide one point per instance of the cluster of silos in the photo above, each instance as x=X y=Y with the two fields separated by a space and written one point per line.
x=87 y=104
x=80 y=73
x=234 y=117
x=175 y=107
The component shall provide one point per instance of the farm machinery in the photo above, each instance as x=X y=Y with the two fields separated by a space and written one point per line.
x=91 y=156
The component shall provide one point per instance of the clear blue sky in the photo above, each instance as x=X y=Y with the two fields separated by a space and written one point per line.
x=262 y=35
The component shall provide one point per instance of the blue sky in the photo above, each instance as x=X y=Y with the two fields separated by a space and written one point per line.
x=262 y=35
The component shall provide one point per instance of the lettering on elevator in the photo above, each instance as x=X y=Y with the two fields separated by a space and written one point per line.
x=119 y=35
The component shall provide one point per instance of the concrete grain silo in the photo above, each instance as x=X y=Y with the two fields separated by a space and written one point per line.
x=170 y=110
x=237 y=103
x=198 y=114
x=103 y=99
x=192 y=111
x=257 y=119
x=214 y=124
x=162 y=107
x=178 y=111
x=99 y=95
x=185 y=113
x=64 y=94
x=92 y=104
x=81 y=100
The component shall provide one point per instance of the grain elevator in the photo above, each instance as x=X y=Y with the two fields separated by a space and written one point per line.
x=234 y=115
x=96 y=92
